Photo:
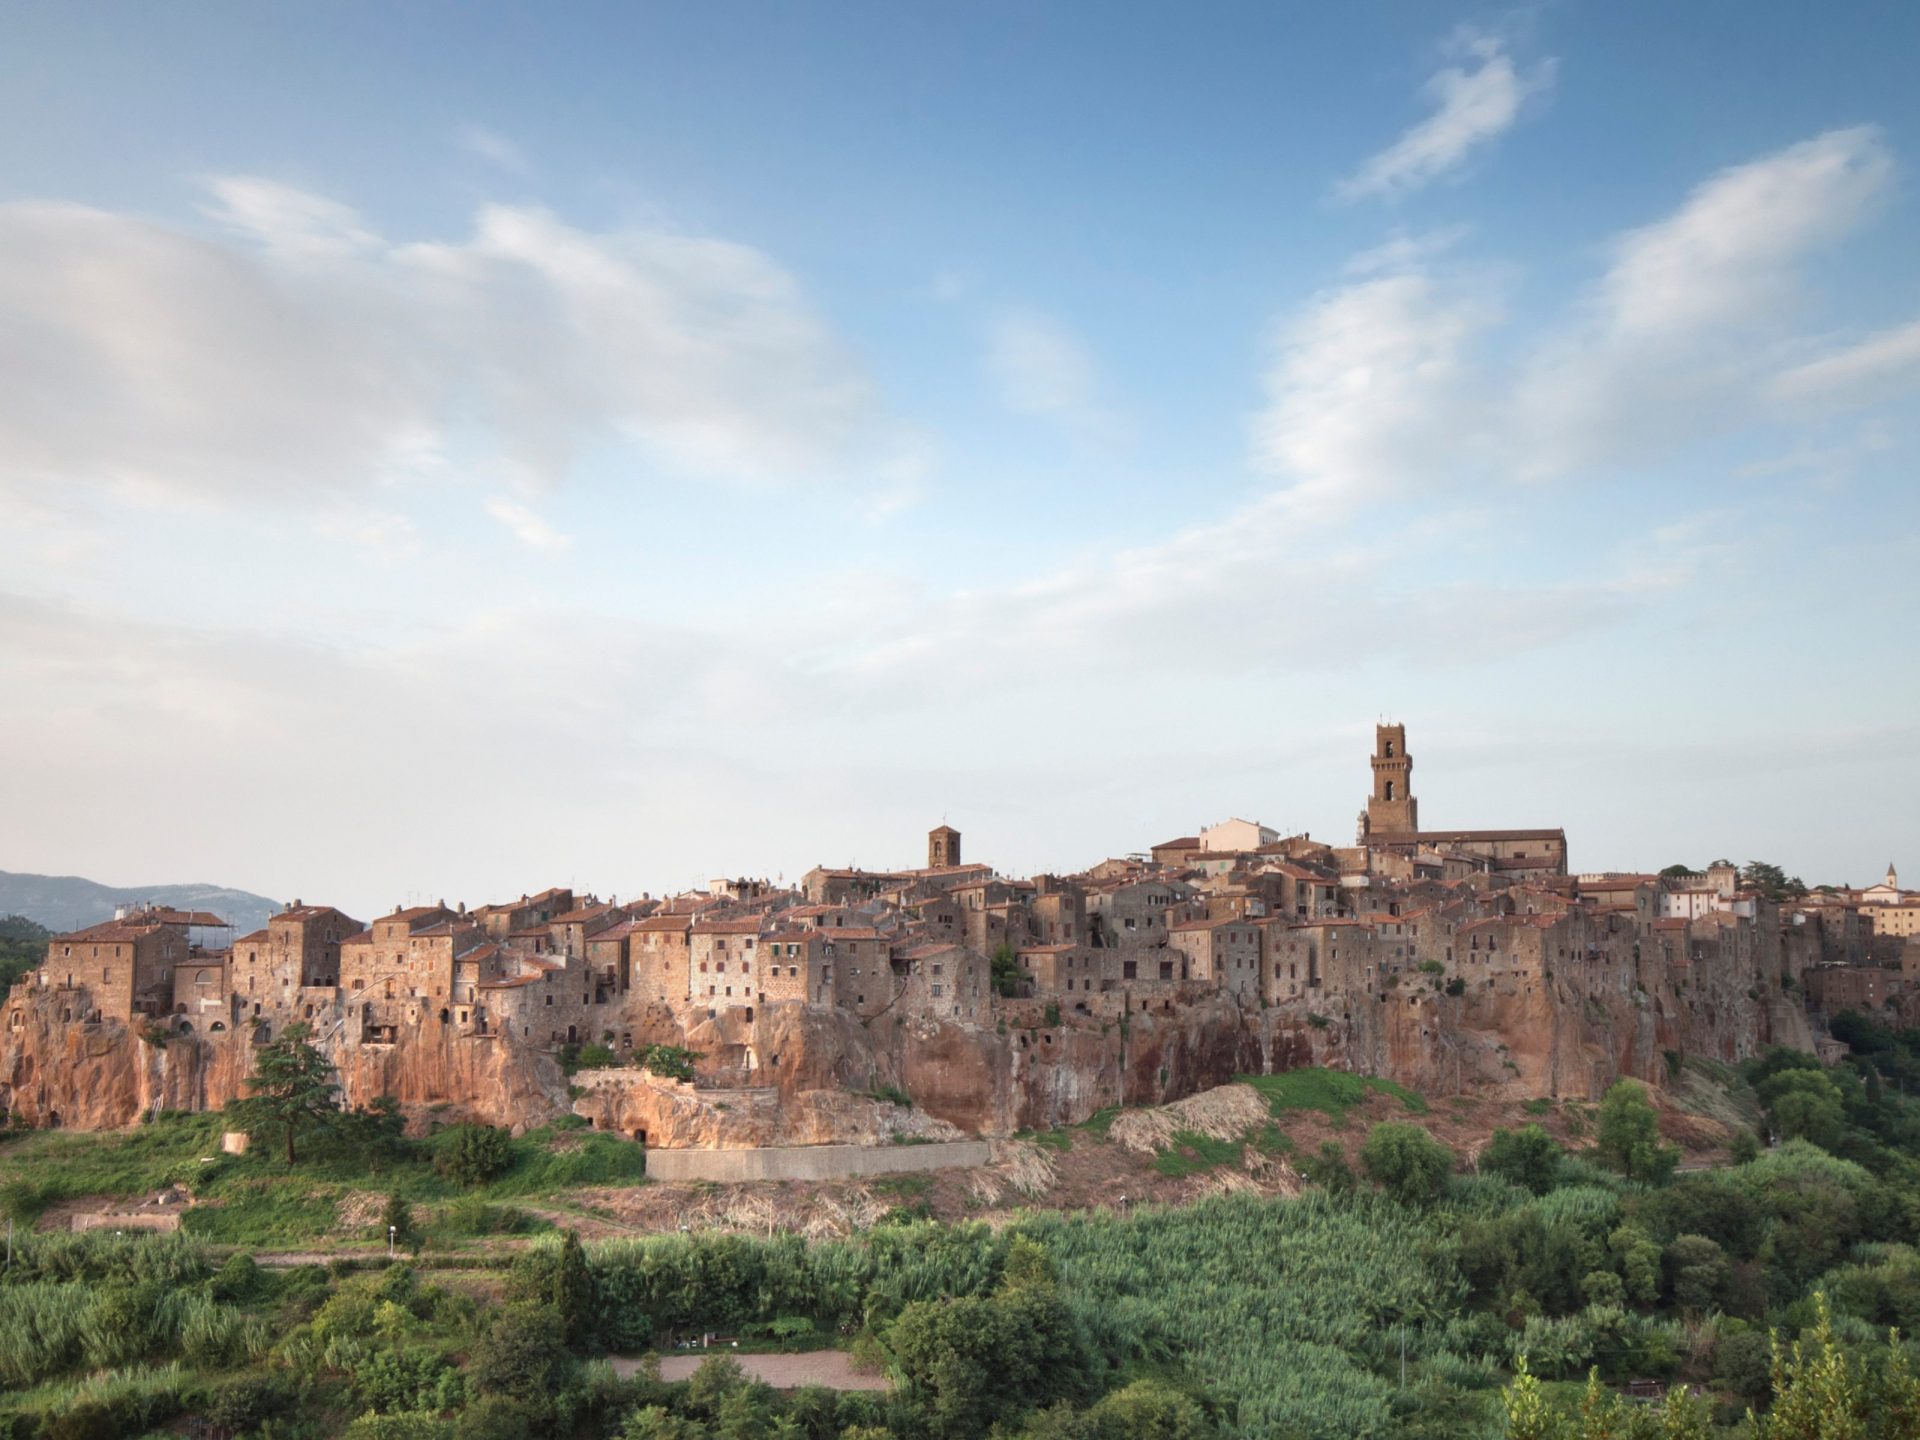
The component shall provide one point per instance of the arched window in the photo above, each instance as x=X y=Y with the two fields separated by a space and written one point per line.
x=1389 y=789
x=1389 y=749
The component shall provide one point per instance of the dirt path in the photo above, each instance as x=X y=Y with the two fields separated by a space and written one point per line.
x=831 y=1368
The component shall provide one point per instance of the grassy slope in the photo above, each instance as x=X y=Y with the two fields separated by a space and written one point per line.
x=254 y=1199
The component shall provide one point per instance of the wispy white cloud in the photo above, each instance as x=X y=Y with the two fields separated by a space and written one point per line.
x=300 y=353
x=1726 y=257
x=493 y=147
x=1405 y=251
x=1675 y=338
x=1877 y=365
x=1475 y=101
x=1039 y=367
x=528 y=526
x=1364 y=383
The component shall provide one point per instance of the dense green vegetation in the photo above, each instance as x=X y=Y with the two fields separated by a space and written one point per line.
x=1404 y=1299
x=338 y=1190
x=23 y=945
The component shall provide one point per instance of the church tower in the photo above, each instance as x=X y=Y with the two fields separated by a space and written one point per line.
x=943 y=848
x=1391 y=809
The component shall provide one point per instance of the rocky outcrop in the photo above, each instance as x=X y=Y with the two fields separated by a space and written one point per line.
x=100 y=1074
x=802 y=1075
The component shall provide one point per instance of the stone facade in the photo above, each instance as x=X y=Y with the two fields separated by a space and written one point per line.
x=1441 y=958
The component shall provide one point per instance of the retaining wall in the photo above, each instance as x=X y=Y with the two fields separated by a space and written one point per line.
x=812 y=1162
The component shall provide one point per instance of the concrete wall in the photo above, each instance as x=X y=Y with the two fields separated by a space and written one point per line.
x=812 y=1162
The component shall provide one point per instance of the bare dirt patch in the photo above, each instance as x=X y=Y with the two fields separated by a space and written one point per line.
x=831 y=1368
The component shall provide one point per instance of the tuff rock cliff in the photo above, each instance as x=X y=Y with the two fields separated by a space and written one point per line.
x=800 y=1075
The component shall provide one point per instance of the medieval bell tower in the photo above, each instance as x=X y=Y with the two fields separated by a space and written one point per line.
x=1391 y=809
x=943 y=848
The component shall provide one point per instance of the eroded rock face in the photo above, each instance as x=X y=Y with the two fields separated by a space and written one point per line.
x=801 y=1075
x=100 y=1075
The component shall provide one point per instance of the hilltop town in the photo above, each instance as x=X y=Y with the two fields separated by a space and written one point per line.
x=1450 y=959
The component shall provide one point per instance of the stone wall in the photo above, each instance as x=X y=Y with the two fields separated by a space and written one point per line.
x=812 y=1162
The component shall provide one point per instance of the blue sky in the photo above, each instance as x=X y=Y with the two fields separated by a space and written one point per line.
x=446 y=449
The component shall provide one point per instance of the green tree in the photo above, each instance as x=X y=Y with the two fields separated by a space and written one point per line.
x=1027 y=1264
x=1629 y=1135
x=573 y=1290
x=1771 y=881
x=293 y=1090
x=1697 y=1272
x=522 y=1354
x=1817 y=1392
x=1804 y=1105
x=1006 y=971
x=1527 y=1156
x=1674 y=872
x=971 y=1361
x=1639 y=1261
x=671 y=1062
x=656 y=1422
x=1529 y=1416
x=23 y=945
x=474 y=1154
x=1406 y=1162
x=1150 y=1410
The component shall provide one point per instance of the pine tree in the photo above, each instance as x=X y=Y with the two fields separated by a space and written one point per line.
x=573 y=1289
x=293 y=1089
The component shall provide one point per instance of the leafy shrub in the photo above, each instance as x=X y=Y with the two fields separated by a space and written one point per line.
x=672 y=1061
x=243 y=1403
x=473 y=1154
x=391 y=1381
x=1528 y=1157
x=522 y=1355
x=1406 y=1162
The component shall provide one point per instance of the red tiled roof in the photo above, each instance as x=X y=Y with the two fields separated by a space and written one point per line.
x=680 y=923
x=581 y=915
x=749 y=926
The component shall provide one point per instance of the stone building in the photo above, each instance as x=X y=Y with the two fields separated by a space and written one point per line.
x=527 y=917
x=123 y=967
x=723 y=954
x=1391 y=808
x=1063 y=969
x=660 y=959
x=1223 y=953
x=943 y=848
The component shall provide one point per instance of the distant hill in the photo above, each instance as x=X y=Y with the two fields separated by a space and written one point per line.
x=67 y=902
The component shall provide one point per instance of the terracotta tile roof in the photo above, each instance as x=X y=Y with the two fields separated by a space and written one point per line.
x=614 y=932
x=667 y=923
x=922 y=952
x=581 y=915
x=312 y=912
x=258 y=937
x=415 y=912
x=116 y=932
x=749 y=926
x=199 y=919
